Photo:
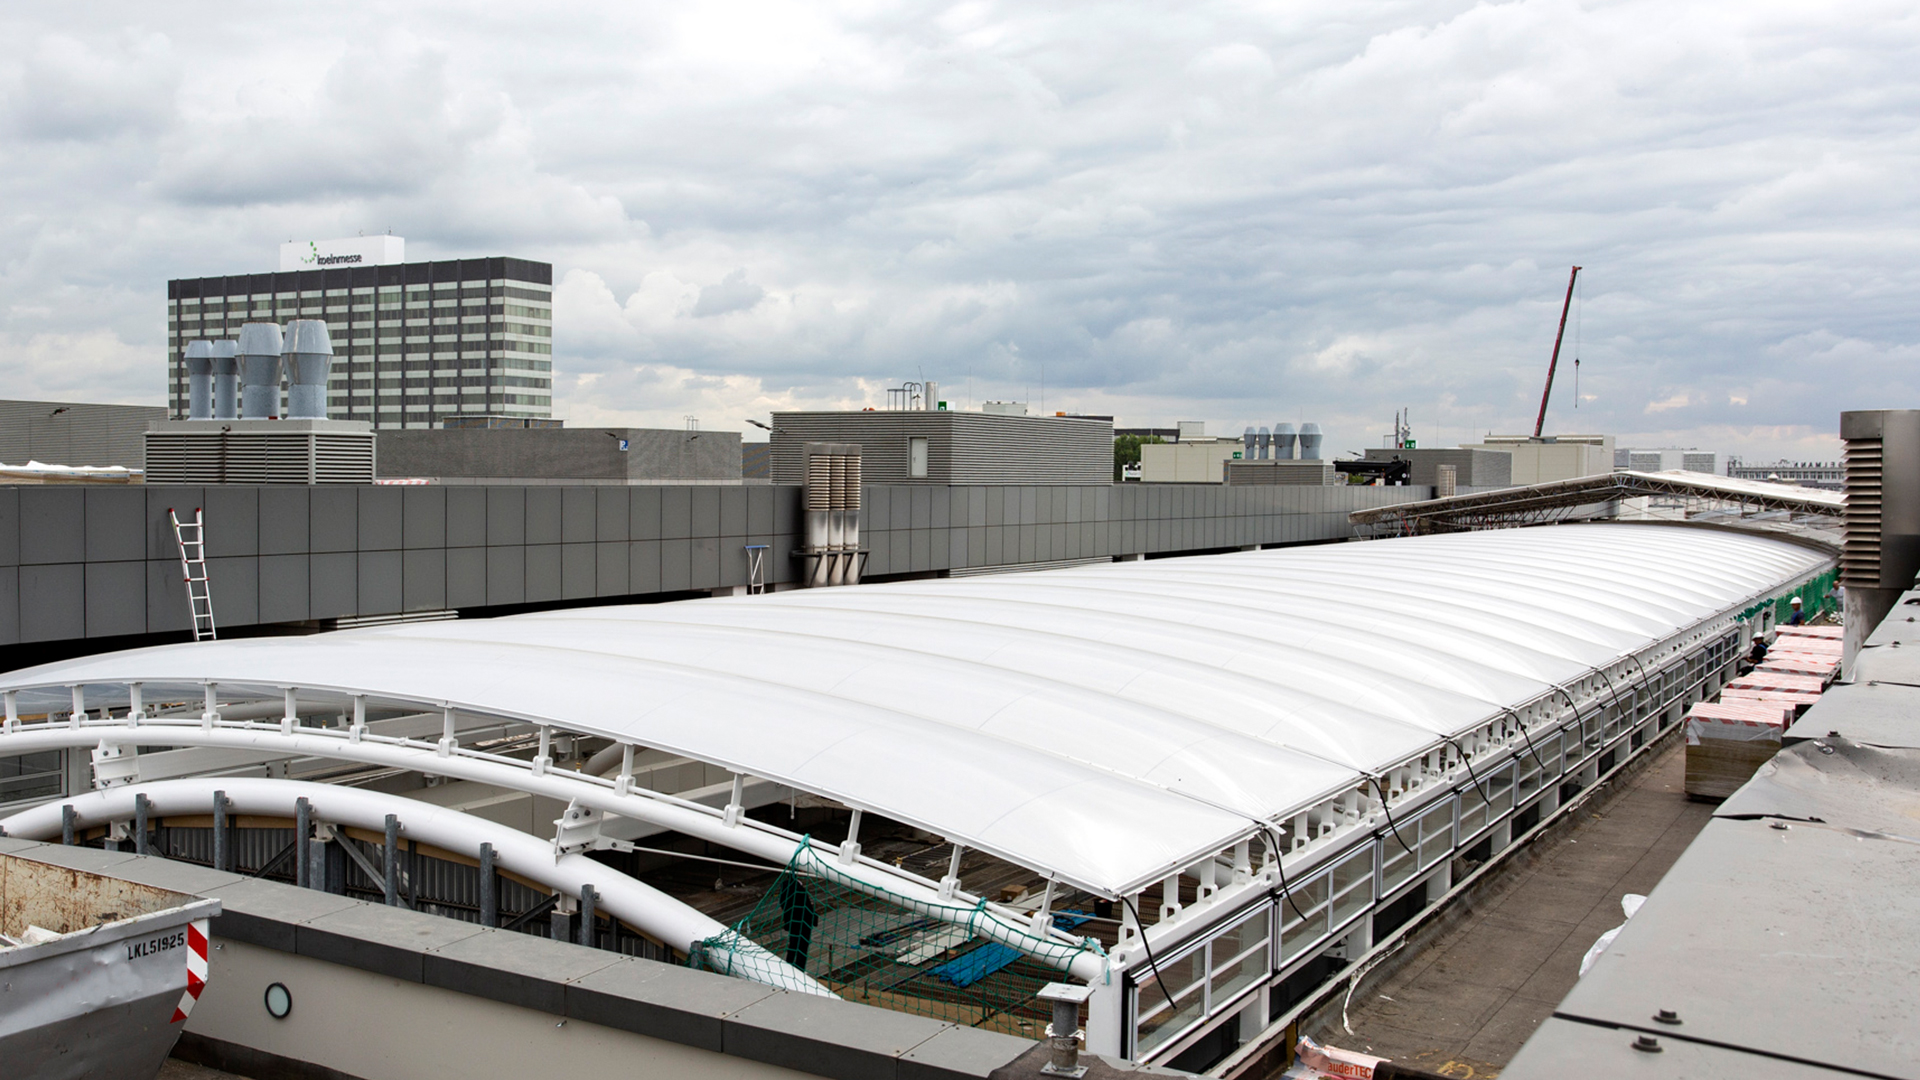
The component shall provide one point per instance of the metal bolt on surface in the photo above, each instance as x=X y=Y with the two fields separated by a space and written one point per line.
x=1647 y=1044
x=1667 y=1016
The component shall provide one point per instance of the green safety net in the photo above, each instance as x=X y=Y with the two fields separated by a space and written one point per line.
x=954 y=961
x=1817 y=597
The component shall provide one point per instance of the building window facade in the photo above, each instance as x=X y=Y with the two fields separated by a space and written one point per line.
x=414 y=343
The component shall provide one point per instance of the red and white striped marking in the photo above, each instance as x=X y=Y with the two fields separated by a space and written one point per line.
x=196 y=969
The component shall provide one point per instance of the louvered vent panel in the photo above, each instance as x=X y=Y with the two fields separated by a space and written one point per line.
x=256 y=457
x=343 y=459
x=1860 y=557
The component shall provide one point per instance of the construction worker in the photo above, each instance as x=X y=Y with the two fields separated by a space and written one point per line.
x=1799 y=617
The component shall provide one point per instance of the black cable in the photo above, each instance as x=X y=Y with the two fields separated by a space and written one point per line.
x=1279 y=866
x=1383 y=809
x=1468 y=762
x=1151 y=966
x=1528 y=739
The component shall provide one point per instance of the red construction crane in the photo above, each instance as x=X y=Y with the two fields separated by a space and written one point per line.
x=1554 y=363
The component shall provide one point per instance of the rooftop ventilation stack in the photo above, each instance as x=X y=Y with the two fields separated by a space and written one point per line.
x=226 y=380
x=1310 y=442
x=309 y=360
x=1266 y=442
x=259 y=354
x=200 y=380
x=932 y=400
x=1248 y=440
x=1284 y=442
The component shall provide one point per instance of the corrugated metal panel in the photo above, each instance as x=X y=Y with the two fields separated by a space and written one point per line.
x=962 y=448
x=1860 y=558
x=74 y=433
x=214 y=457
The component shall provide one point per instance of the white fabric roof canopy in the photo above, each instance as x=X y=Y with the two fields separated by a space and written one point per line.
x=1106 y=723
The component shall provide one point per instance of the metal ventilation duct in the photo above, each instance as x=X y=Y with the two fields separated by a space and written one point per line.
x=1284 y=441
x=1249 y=441
x=226 y=380
x=832 y=539
x=1881 y=553
x=1310 y=441
x=259 y=354
x=200 y=380
x=308 y=353
x=1266 y=442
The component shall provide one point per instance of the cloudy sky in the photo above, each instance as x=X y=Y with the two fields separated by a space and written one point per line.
x=1241 y=213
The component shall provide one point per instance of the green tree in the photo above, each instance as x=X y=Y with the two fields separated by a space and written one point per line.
x=1126 y=451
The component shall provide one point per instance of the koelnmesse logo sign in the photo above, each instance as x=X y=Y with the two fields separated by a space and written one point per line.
x=318 y=259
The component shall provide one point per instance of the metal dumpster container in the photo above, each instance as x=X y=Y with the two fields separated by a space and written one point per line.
x=97 y=975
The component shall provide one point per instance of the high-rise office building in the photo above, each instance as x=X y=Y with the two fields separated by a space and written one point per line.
x=414 y=344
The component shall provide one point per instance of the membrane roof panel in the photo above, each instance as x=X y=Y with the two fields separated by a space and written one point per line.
x=1108 y=723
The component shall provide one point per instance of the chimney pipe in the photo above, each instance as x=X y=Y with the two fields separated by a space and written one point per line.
x=200 y=380
x=259 y=354
x=309 y=359
x=226 y=380
x=1284 y=440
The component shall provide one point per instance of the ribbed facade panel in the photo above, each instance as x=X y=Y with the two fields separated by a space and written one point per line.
x=962 y=448
x=74 y=433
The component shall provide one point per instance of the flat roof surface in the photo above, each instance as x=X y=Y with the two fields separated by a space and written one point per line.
x=1107 y=724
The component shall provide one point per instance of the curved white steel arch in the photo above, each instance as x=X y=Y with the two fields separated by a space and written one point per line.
x=776 y=846
x=638 y=904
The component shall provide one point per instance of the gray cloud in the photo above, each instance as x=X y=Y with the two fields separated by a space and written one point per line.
x=1209 y=213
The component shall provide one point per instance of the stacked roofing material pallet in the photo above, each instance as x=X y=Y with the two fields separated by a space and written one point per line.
x=1728 y=740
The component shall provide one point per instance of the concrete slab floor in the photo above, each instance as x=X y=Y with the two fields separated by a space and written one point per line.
x=1463 y=1006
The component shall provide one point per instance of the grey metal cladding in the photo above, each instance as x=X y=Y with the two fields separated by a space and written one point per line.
x=577 y=571
x=115 y=524
x=283 y=522
x=52 y=601
x=379 y=583
x=232 y=517
x=610 y=514
x=333 y=518
x=543 y=515
x=506 y=575
x=75 y=432
x=643 y=513
x=466 y=577
x=381 y=518
x=706 y=511
x=423 y=579
x=238 y=598
x=116 y=599
x=53 y=523
x=333 y=589
x=676 y=513
x=542 y=573
x=285 y=592
x=9 y=526
x=467 y=516
x=578 y=508
x=9 y=605
x=423 y=518
x=506 y=516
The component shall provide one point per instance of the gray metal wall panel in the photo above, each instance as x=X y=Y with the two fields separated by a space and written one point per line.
x=423 y=579
x=232 y=517
x=544 y=506
x=506 y=518
x=53 y=601
x=506 y=575
x=9 y=605
x=786 y=511
x=380 y=582
x=53 y=522
x=423 y=518
x=733 y=511
x=116 y=599
x=466 y=577
x=234 y=585
x=382 y=519
x=875 y=507
x=644 y=508
x=962 y=448
x=706 y=512
x=611 y=507
x=676 y=513
x=10 y=527
x=759 y=510
x=920 y=550
x=643 y=566
x=703 y=567
x=467 y=516
x=285 y=590
x=116 y=521
x=543 y=572
x=899 y=509
x=75 y=432
x=879 y=553
x=283 y=527
x=921 y=516
x=333 y=587
x=676 y=565
x=166 y=597
x=577 y=511
x=577 y=571
x=612 y=570
x=333 y=518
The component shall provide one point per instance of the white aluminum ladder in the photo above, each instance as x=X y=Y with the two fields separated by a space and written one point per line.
x=192 y=538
